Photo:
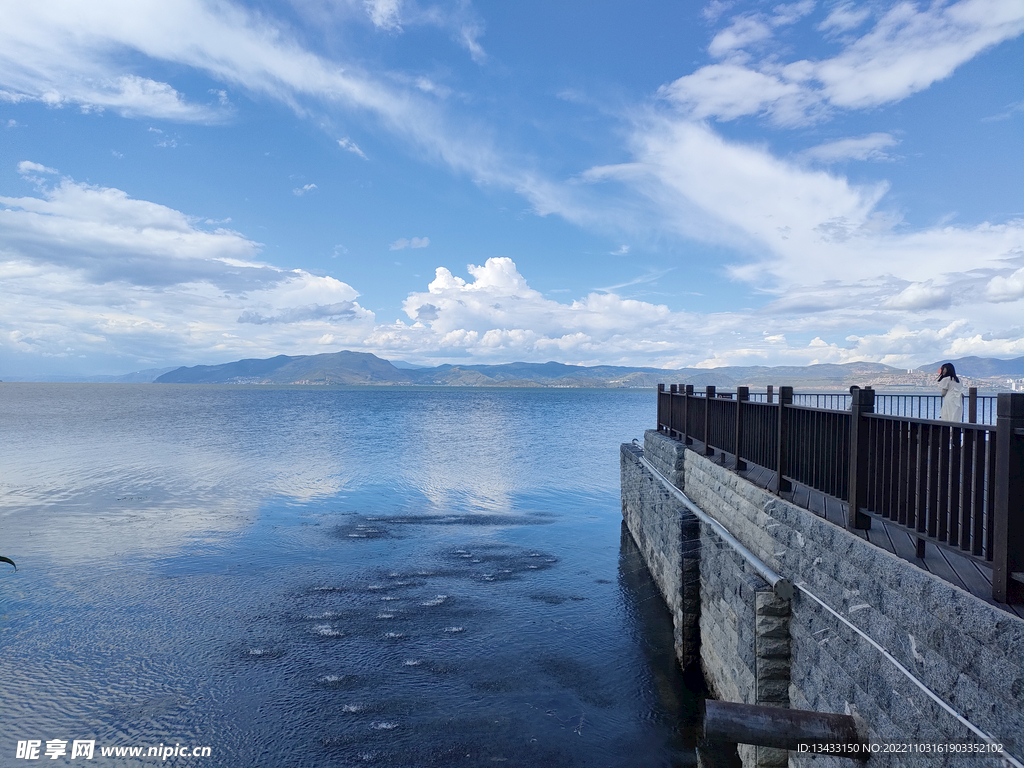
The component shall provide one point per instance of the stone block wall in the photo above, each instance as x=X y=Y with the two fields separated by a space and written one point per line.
x=969 y=653
x=669 y=538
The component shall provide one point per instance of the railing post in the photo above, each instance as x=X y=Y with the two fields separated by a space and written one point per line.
x=661 y=407
x=862 y=401
x=742 y=396
x=781 y=468
x=771 y=394
x=687 y=394
x=672 y=389
x=972 y=405
x=1008 y=536
x=708 y=397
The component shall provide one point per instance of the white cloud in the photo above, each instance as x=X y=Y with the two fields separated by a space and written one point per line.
x=416 y=242
x=870 y=147
x=300 y=191
x=385 y=14
x=905 y=52
x=716 y=8
x=25 y=167
x=799 y=226
x=89 y=270
x=1006 y=288
x=350 y=146
x=790 y=13
x=918 y=296
x=844 y=17
x=728 y=91
x=497 y=313
x=743 y=31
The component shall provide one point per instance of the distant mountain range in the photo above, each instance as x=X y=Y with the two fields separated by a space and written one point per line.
x=365 y=368
x=982 y=367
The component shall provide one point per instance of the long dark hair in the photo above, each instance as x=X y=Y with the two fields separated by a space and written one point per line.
x=947 y=369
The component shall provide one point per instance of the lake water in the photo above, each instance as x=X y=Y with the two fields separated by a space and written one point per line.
x=330 y=577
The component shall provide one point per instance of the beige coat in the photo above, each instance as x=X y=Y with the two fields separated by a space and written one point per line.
x=952 y=399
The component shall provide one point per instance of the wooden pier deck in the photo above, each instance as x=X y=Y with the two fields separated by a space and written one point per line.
x=964 y=572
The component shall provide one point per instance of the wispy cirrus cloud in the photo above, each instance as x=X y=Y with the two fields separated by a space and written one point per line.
x=416 y=242
x=907 y=50
x=870 y=147
x=350 y=146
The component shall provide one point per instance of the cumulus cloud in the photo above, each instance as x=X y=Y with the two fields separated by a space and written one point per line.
x=496 y=312
x=1006 y=288
x=416 y=242
x=300 y=191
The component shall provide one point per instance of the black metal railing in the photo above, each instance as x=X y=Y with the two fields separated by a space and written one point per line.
x=954 y=484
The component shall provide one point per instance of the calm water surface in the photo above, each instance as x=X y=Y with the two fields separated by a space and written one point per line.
x=330 y=577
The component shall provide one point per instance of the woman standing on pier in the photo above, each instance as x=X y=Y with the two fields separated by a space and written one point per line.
x=952 y=394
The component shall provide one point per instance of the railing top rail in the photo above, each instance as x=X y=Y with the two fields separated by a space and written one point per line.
x=814 y=408
x=931 y=422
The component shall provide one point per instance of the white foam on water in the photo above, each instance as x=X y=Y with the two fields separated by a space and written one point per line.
x=488 y=577
x=331 y=679
x=352 y=708
x=454 y=630
x=383 y=725
x=375 y=586
x=412 y=662
x=394 y=635
x=390 y=597
x=475 y=560
x=533 y=566
x=326 y=630
x=256 y=651
x=436 y=601
x=357 y=535
x=385 y=615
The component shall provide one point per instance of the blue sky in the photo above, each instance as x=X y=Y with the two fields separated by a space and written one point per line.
x=666 y=184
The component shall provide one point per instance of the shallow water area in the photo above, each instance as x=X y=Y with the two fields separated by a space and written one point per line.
x=345 y=576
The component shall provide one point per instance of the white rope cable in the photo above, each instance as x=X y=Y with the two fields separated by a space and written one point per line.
x=910 y=675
